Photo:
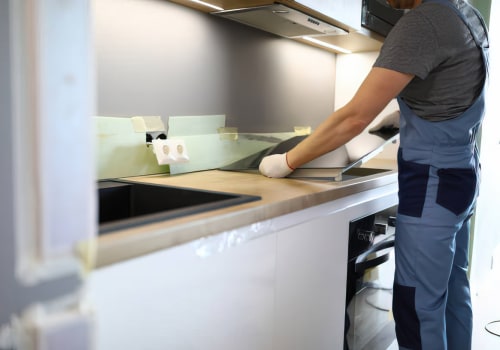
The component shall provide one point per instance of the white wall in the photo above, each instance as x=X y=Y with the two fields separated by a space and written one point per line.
x=351 y=71
x=485 y=262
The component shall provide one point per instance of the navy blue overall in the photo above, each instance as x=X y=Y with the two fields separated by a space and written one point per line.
x=438 y=183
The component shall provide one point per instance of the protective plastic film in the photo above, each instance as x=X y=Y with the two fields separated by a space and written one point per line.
x=208 y=246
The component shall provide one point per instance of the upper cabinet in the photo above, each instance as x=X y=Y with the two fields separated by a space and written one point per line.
x=344 y=11
x=333 y=25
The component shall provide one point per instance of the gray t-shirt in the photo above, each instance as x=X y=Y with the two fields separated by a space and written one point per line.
x=435 y=45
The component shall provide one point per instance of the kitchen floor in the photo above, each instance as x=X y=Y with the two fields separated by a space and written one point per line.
x=486 y=308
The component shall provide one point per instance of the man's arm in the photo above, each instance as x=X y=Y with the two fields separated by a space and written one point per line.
x=377 y=90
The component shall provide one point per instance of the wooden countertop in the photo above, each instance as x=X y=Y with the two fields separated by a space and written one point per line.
x=279 y=197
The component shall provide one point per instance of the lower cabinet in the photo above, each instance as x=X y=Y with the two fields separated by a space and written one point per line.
x=276 y=285
x=310 y=282
x=182 y=298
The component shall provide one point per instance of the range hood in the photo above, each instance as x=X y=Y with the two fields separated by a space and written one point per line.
x=282 y=20
x=331 y=25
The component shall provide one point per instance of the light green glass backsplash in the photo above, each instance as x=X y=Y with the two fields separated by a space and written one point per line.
x=122 y=152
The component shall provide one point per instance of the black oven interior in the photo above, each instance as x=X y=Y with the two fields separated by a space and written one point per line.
x=370 y=270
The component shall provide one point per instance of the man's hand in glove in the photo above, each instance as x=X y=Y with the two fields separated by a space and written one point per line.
x=275 y=165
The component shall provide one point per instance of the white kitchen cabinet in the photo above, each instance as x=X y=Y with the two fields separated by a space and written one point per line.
x=310 y=284
x=177 y=299
x=274 y=285
x=345 y=11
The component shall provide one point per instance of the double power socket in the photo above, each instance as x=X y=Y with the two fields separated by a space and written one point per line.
x=170 y=151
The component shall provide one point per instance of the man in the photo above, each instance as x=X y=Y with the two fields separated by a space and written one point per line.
x=435 y=62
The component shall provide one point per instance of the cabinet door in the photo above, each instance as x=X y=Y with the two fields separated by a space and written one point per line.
x=184 y=299
x=344 y=11
x=311 y=270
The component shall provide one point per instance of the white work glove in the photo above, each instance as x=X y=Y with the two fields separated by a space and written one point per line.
x=275 y=165
x=387 y=126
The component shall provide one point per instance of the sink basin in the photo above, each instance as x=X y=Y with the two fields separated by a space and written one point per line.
x=124 y=204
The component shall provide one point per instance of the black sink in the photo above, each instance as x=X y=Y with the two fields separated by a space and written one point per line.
x=124 y=204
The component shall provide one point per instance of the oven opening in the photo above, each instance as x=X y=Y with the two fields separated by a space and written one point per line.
x=369 y=324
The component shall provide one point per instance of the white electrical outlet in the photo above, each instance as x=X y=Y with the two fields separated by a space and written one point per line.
x=170 y=151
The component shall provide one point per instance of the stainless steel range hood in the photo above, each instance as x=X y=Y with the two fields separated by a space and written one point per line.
x=281 y=20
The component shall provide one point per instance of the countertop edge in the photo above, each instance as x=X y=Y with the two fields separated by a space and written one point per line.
x=139 y=241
